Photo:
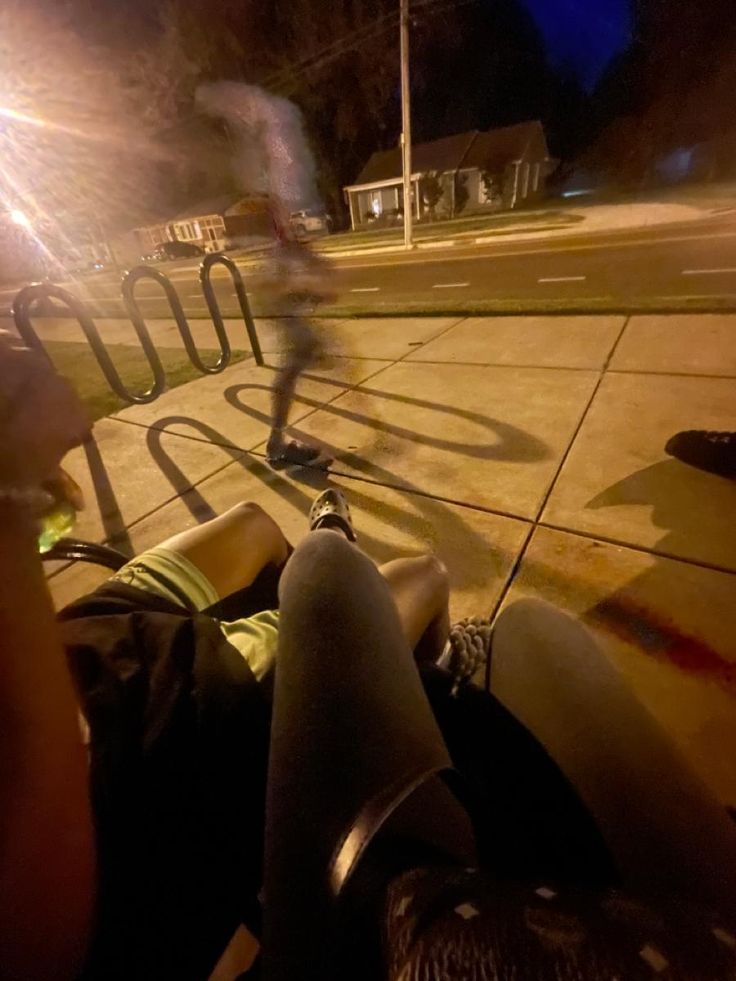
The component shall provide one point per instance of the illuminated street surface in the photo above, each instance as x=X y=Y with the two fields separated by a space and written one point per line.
x=666 y=264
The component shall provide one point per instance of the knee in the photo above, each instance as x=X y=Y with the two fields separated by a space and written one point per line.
x=251 y=519
x=327 y=557
x=533 y=636
x=326 y=550
x=532 y=615
x=246 y=507
x=434 y=571
x=524 y=622
x=248 y=511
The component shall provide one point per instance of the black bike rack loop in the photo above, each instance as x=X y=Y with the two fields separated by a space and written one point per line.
x=127 y=288
x=38 y=292
x=213 y=306
x=75 y=550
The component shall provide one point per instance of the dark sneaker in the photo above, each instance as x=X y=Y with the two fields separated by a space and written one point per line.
x=706 y=450
x=296 y=454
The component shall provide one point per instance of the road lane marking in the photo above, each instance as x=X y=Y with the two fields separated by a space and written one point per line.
x=561 y=279
x=366 y=289
x=706 y=272
x=405 y=259
x=449 y=286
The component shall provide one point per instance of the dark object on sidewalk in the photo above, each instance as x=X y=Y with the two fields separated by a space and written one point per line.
x=296 y=454
x=706 y=450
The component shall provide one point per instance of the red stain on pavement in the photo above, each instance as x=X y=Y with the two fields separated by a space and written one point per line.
x=635 y=624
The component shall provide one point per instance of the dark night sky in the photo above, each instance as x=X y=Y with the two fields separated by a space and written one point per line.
x=583 y=33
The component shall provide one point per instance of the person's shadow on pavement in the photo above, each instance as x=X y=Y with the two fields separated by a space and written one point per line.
x=697 y=510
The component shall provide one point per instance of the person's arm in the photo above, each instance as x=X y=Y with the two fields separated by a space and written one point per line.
x=46 y=857
x=46 y=841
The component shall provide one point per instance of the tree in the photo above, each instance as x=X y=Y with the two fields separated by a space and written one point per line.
x=338 y=61
x=671 y=89
x=493 y=73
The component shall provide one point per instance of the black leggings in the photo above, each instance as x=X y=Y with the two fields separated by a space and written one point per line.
x=357 y=756
x=529 y=822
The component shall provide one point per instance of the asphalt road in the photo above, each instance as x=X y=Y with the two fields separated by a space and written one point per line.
x=688 y=263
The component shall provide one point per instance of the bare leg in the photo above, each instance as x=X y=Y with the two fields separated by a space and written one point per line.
x=421 y=591
x=233 y=548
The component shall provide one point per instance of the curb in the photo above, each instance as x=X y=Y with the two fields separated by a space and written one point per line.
x=509 y=237
x=377 y=250
x=718 y=305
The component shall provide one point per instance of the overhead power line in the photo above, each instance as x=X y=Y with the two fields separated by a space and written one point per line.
x=348 y=42
x=357 y=36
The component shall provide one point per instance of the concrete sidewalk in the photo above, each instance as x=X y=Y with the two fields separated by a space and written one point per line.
x=553 y=220
x=526 y=451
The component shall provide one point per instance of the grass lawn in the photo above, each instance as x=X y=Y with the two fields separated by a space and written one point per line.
x=75 y=361
x=440 y=229
x=512 y=305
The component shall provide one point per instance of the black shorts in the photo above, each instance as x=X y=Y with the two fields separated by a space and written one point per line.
x=179 y=733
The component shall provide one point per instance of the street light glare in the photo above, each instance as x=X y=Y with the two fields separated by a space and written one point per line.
x=21 y=117
x=20 y=218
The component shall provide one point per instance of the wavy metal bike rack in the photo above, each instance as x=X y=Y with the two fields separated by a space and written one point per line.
x=135 y=275
x=213 y=305
x=76 y=550
x=38 y=292
x=127 y=288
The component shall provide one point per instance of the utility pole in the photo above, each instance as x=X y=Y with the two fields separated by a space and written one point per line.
x=406 y=123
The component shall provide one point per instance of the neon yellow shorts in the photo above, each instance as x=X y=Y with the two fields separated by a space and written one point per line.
x=169 y=575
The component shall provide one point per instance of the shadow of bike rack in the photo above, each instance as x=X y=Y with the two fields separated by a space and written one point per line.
x=35 y=294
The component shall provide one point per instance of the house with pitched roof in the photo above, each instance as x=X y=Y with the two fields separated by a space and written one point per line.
x=475 y=172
